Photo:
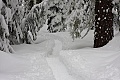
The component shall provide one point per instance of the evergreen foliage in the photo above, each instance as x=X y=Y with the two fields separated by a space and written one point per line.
x=116 y=13
x=20 y=20
x=4 y=31
x=81 y=17
x=56 y=15
x=18 y=23
x=73 y=15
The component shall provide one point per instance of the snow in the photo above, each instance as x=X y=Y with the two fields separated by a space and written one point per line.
x=98 y=18
x=94 y=64
x=1 y=4
x=114 y=11
x=55 y=56
x=57 y=48
x=105 y=18
x=113 y=45
x=90 y=64
x=11 y=61
x=107 y=10
x=28 y=63
x=66 y=39
x=4 y=25
x=8 y=14
x=116 y=1
x=44 y=48
x=59 y=70
x=30 y=35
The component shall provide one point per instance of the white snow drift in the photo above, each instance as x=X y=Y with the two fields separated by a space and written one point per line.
x=94 y=64
x=28 y=63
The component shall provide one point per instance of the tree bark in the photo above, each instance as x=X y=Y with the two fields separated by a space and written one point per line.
x=104 y=23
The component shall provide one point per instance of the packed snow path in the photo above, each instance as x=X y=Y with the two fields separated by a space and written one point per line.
x=58 y=68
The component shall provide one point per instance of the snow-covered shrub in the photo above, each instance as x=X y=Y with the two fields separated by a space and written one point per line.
x=12 y=18
x=81 y=16
x=56 y=15
x=62 y=14
x=25 y=21
x=14 y=13
x=73 y=15
x=34 y=20
x=4 y=31
x=116 y=12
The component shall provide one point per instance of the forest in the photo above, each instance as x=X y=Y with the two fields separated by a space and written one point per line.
x=59 y=39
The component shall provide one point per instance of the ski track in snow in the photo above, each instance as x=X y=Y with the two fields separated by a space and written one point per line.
x=58 y=68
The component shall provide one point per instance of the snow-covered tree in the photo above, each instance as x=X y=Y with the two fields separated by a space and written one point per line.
x=16 y=25
x=104 y=22
x=56 y=15
x=116 y=13
x=17 y=14
x=77 y=14
x=4 y=31
x=81 y=16
x=24 y=21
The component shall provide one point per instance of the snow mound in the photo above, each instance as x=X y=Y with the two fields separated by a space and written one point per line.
x=44 y=48
x=66 y=39
x=92 y=64
x=28 y=63
x=38 y=69
x=69 y=44
x=11 y=63
x=114 y=44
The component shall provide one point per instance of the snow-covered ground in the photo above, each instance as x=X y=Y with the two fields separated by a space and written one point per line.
x=66 y=39
x=55 y=56
x=59 y=70
x=25 y=66
x=94 y=64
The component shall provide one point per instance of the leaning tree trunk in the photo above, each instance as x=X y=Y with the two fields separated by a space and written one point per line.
x=104 y=22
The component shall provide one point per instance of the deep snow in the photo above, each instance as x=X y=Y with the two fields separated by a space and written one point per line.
x=59 y=70
x=55 y=56
x=29 y=66
x=28 y=63
x=94 y=64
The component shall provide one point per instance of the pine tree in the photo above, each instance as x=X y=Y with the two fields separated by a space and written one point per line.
x=4 y=31
x=81 y=17
x=104 y=22
x=56 y=15
x=116 y=13
x=16 y=25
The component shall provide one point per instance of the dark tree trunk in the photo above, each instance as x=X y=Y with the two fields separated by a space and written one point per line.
x=104 y=22
x=38 y=1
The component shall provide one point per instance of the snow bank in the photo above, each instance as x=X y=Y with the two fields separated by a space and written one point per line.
x=92 y=64
x=44 y=48
x=28 y=63
x=13 y=68
x=114 y=44
x=11 y=63
x=69 y=44
x=66 y=39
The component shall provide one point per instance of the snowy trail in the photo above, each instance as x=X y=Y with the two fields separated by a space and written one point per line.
x=58 y=68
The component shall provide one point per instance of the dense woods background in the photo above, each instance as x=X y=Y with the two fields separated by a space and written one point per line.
x=20 y=20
